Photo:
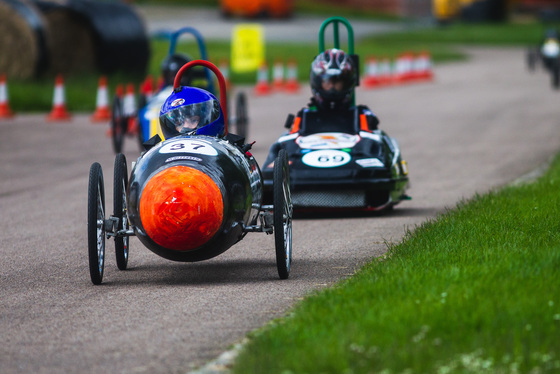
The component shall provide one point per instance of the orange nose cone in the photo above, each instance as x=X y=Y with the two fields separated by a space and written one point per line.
x=181 y=208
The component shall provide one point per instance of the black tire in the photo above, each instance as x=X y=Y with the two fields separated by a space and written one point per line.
x=241 y=117
x=96 y=223
x=120 y=183
x=556 y=74
x=142 y=102
x=531 y=60
x=140 y=136
x=118 y=123
x=282 y=214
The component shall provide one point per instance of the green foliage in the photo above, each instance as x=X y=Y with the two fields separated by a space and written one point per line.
x=339 y=9
x=469 y=292
x=520 y=34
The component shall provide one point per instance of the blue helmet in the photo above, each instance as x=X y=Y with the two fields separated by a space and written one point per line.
x=192 y=111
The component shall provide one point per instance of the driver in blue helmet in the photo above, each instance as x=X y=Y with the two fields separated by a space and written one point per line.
x=191 y=111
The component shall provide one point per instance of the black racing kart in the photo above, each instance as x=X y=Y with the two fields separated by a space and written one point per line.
x=335 y=165
x=338 y=160
x=547 y=54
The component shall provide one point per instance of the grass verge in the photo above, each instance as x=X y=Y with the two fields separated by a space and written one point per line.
x=473 y=291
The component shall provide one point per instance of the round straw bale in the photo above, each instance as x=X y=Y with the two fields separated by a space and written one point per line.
x=72 y=47
x=23 y=40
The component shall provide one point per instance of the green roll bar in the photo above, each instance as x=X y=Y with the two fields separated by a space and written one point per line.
x=335 y=21
x=355 y=58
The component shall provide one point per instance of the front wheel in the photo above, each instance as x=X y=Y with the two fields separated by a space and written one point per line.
x=120 y=211
x=556 y=74
x=96 y=223
x=282 y=214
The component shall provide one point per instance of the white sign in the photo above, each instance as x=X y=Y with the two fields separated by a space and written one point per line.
x=199 y=147
x=370 y=163
x=328 y=140
x=327 y=158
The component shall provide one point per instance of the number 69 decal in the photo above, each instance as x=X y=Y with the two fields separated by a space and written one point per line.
x=327 y=158
x=189 y=146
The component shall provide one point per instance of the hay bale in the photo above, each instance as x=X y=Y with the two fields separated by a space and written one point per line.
x=109 y=35
x=120 y=35
x=23 y=39
x=72 y=49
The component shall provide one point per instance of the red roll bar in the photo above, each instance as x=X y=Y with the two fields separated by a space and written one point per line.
x=221 y=82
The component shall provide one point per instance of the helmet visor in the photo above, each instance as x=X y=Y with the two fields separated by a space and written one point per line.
x=336 y=81
x=189 y=118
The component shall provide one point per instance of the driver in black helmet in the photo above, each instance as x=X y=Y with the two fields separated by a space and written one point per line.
x=333 y=79
x=169 y=68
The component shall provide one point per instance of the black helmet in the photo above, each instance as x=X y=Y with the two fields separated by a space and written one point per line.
x=333 y=78
x=170 y=66
x=551 y=34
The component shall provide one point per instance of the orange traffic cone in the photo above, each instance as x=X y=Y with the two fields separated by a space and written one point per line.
x=129 y=108
x=385 y=71
x=148 y=88
x=119 y=91
x=278 y=75
x=102 y=112
x=262 y=87
x=292 y=84
x=371 y=76
x=59 y=112
x=5 y=111
x=423 y=67
x=160 y=83
x=129 y=101
x=403 y=69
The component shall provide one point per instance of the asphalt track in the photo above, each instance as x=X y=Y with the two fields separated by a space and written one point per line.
x=479 y=125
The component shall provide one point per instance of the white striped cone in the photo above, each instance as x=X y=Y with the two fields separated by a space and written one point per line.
x=59 y=112
x=278 y=75
x=385 y=71
x=262 y=87
x=129 y=101
x=371 y=76
x=5 y=111
x=423 y=67
x=102 y=112
x=292 y=84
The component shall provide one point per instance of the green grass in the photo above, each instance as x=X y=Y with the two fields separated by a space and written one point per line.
x=510 y=33
x=316 y=7
x=473 y=291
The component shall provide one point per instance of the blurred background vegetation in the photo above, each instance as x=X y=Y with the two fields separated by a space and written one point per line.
x=439 y=27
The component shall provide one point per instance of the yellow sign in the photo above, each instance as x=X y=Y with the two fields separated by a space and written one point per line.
x=247 y=47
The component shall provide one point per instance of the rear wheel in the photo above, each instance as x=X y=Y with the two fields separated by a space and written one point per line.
x=556 y=74
x=531 y=60
x=241 y=117
x=282 y=215
x=96 y=223
x=118 y=124
x=119 y=210
x=140 y=135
